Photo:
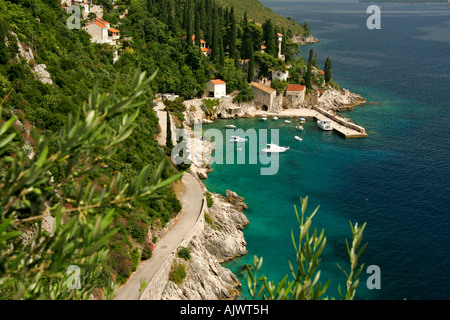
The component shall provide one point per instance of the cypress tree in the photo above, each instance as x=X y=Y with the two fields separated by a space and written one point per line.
x=308 y=76
x=188 y=23
x=269 y=37
x=251 y=64
x=327 y=70
x=233 y=36
x=197 y=27
x=222 y=53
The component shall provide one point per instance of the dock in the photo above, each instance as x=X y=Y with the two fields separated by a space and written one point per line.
x=341 y=126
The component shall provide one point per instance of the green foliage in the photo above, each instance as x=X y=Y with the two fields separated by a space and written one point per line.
x=278 y=85
x=83 y=211
x=327 y=70
x=178 y=273
x=309 y=247
x=184 y=253
x=209 y=199
x=135 y=258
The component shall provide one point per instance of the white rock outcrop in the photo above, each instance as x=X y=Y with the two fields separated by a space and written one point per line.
x=221 y=240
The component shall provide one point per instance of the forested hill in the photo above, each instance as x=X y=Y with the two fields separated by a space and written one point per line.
x=259 y=13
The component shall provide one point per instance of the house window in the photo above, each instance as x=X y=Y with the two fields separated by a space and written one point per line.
x=278 y=74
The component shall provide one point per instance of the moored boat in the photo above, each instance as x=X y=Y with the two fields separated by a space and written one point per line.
x=273 y=148
x=324 y=124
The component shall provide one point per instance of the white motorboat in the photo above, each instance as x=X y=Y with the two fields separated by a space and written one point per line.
x=302 y=120
x=264 y=118
x=273 y=148
x=324 y=125
x=298 y=138
x=275 y=118
x=287 y=121
x=230 y=126
x=299 y=127
x=237 y=139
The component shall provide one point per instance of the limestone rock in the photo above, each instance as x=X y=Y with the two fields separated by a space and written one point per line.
x=221 y=240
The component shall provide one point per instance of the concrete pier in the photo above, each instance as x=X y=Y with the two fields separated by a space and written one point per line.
x=341 y=126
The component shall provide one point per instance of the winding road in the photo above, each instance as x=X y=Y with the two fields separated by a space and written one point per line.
x=191 y=203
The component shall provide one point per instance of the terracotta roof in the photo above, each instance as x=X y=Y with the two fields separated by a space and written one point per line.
x=263 y=47
x=280 y=34
x=204 y=49
x=101 y=25
x=321 y=72
x=114 y=30
x=263 y=87
x=218 y=81
x=295 y=87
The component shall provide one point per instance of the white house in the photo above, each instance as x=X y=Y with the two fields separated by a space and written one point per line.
x=280 y=75
x=101 y=31
x=216 y=88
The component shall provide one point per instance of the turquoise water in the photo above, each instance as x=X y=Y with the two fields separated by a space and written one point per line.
x=396 y=180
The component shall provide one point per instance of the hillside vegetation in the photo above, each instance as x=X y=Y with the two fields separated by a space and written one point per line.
x=259 y=13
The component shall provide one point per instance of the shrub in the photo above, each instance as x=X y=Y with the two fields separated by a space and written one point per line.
x=184 y=253
x=178 y=273
x=147 y=250
x=209 y=200
x=135 y=257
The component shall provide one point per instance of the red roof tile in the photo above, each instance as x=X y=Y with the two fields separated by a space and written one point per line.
x=218 y=81
x=263 y=87
x=295 y=87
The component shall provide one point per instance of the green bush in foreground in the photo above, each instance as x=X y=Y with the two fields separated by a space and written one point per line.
x=37 y=267
x=306 y=285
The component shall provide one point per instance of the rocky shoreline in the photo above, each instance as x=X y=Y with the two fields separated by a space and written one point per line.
x=221 y=240
x=304 y=41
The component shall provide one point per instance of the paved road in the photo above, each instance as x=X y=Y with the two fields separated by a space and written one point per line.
x=162 y=120
x=191 y=205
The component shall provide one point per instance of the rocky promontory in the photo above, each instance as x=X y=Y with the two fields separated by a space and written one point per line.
x=221 y=240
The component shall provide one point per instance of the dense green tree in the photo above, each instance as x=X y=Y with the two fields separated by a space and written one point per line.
x=327 y=70
x=270 y=39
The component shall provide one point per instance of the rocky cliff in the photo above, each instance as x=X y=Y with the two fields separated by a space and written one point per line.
x=221 y=240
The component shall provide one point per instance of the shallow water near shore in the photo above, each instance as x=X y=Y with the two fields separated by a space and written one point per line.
x=396 y=180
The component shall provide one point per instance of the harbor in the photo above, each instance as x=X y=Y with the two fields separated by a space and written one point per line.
x=340 y=125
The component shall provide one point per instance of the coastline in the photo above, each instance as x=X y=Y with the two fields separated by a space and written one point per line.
x=222 y=238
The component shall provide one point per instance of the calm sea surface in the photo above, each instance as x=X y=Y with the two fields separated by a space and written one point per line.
x=396 y=180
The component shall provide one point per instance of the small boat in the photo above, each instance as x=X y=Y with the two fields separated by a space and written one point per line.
x=264 y=118
x=275 y=118
x=230 y=126
x=239 y=149
x=237 y=139
x=299 y=127
x=287 y=121
x=273 y=148
x=302 y=120
x=324 y=125
x=298 y=138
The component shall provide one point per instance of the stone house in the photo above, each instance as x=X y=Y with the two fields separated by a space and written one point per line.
x=264 y=96
x=295 y=93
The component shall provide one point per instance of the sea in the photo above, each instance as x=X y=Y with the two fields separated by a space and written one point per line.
x=397 y=180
